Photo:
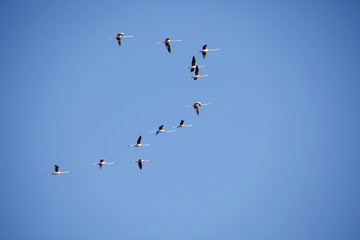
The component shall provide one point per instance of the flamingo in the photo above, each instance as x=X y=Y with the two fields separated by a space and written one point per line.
x=119 y=36
x=167 y=43
x=57 y=172
x=101 y=163
x=193 y=65
x=196 y=76
x=205 y=50
x=161 y=130
x=197 y=105
x=181 y=125
x=140 y=161
x=138 y=144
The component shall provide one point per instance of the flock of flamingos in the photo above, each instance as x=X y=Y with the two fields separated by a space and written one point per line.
x=196 y=105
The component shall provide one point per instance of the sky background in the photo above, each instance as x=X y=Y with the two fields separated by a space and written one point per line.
x=276 y=155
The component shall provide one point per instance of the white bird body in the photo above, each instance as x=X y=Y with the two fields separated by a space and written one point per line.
x=138 y=144
x=197 y=105
x=161 y=130
x=101 y=163
x=205 y=50
x=167 y=43
x=57 y=172
x=119 y=36
x=140 y=161
x=196 y=76
x=182 y=125
x=193 y=65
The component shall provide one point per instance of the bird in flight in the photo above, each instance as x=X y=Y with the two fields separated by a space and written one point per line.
x=119 y=36
x=101 y=163
x=161 y=130
x=138 y=144
x=197 y=105
x=167 y=43
x=140 y=161
x=205 y=50
x=181 y=125
x=193 y=65
x=57 y=172
x=196 y=76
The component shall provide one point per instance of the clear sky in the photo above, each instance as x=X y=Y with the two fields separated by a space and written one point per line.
x=276 y=155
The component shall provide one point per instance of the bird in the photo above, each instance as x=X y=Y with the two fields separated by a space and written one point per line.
x=167 y=43
x=196 y=76
x=138 y=144
x=101 y=163
x=161 y=130
x=205 y=50
x=140 y=161
x=181 y=125
x=119 y=36
x=197 y=105
x=193 y=65
x=57 y=172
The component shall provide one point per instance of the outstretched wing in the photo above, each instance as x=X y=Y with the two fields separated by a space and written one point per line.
x=139 y=140
x=56 y=168
x=205 y=46
x=140 y=164
x=119 y=40
x=168 y=47
x=204 y=54
x=196 y=70
x=193 y=61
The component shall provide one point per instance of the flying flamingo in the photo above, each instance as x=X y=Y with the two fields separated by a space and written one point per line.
x=57 y=172
x=193 y=65
x=101 y=163
x=161 y=130
x=205 y=50
x=119 y=36
x=167 y=43
x=197 y=105
x=181 y=125
x=138 y=144
x=140 y=161
x=196 y=76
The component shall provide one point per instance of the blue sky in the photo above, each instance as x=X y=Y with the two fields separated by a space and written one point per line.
x=276 y=156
